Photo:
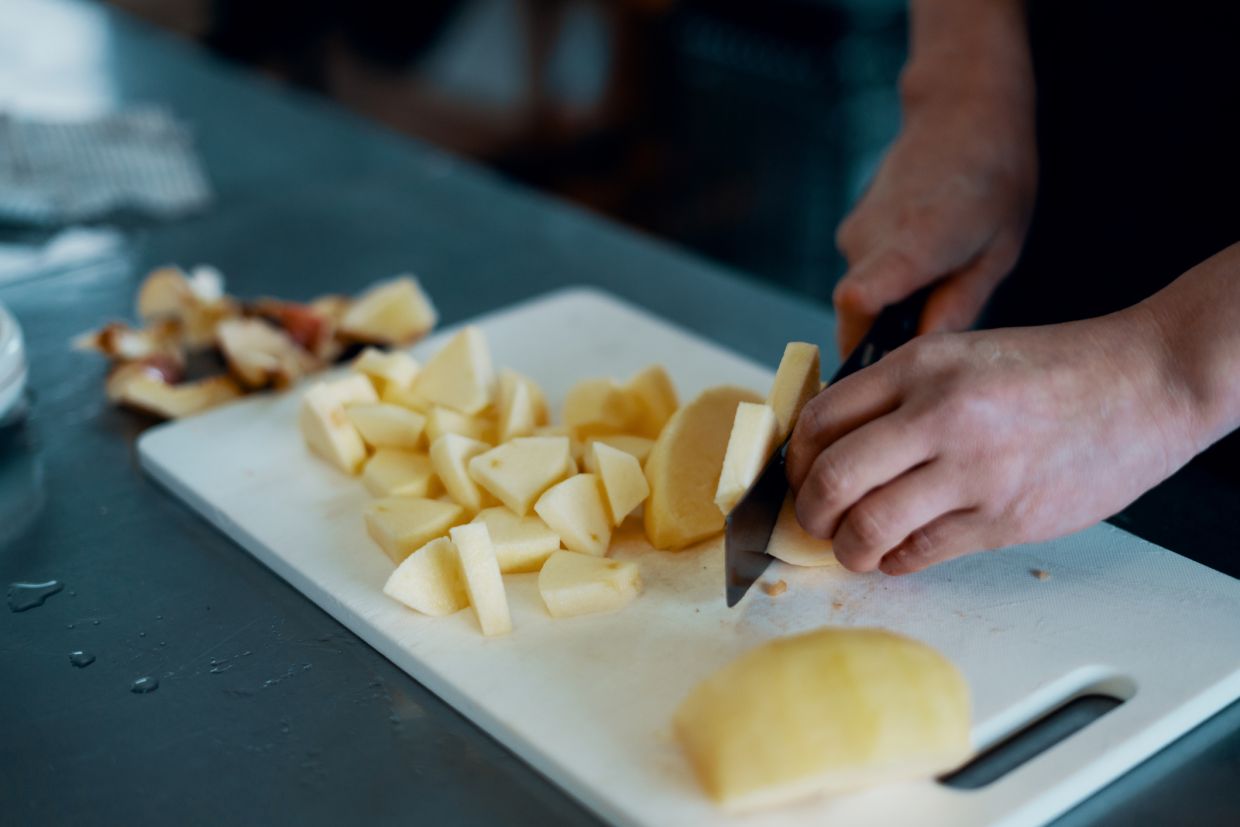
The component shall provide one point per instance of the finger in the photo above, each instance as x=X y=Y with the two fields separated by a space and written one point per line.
x=959 y=301
x=950 y=536
x=887 y=516
x=883 y=277
x=855 y=465
x=839 y=409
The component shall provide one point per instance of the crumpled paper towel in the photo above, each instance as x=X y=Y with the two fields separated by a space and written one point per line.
x=56 y=173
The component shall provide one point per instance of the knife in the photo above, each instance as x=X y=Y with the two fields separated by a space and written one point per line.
x=750 y=523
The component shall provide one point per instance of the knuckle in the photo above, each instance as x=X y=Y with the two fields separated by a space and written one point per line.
x=869 y=524
x=831 y=476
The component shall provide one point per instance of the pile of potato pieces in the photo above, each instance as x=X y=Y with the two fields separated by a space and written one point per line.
x=473 y=481
x=263 y=343
x=451 y=442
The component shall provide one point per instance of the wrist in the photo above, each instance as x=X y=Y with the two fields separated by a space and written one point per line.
x=974 y=51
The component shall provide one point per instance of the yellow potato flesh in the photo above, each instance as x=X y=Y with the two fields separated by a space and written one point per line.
x=683 y=469
x=826 y=711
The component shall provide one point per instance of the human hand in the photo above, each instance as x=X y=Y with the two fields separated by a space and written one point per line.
x=951 y=202
x=961 y=442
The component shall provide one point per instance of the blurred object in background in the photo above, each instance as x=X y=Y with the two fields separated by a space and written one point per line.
x=140 y=162
x=740 y=129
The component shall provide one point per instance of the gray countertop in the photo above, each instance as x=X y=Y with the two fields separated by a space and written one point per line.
x=268 y=711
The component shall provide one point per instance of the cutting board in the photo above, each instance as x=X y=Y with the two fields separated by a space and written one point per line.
x=588 y=701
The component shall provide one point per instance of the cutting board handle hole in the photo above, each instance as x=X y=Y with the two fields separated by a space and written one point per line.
x=1065 y=719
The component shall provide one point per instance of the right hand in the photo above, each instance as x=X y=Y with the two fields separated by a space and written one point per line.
x=951 y=202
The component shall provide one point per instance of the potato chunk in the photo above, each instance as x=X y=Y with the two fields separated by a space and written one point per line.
x=825 y=711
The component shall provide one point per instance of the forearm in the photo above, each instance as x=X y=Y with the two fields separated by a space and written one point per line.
x=970 y=46
x=1198 y=318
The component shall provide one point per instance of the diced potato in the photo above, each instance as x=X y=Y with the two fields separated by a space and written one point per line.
x=459 y=376
x=325 y=426
x=482 y=578
x=790 y=543
x=638 y=446
x=624 y=483
x=575 y=446
x=826 y=711
x=599 y=406
x=390 y=312
x=392 y=471
x=442 y=421
x=402 y=524
x=430 y=580
x=655 y=394
x=683 y=469
x=521 y=543
x=383 y=425
x=406 y=398
x=396 y=368
x=450 y=456
x=751 y=443
x=518 y=472
x=520 y=404
x=797 y=381
x=577 y=584
x=576 y=509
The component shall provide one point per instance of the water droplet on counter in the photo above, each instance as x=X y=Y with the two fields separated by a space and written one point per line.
x=23 y=596
x=159 y=617
x=306 y=667
x=220 y=668
x=94 y=623
x=68 y=625
x=72 y=593
x=144 y=685
x=141 y=634
x=81 y=659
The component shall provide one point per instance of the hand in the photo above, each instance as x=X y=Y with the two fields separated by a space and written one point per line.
x=951 y=202
x=961 y=442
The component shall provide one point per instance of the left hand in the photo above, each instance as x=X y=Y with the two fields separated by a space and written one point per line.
x=961 y=442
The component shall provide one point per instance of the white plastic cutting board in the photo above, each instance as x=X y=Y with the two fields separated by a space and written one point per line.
x=588 y=700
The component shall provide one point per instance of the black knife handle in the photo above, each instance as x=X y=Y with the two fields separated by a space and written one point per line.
x=895 y=325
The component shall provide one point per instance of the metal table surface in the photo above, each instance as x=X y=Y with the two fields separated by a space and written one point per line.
x=267 y=710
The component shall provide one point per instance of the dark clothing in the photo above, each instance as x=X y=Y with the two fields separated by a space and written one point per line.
x=1139 y=153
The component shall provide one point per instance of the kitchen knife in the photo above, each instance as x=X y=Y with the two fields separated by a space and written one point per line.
x=750 y=523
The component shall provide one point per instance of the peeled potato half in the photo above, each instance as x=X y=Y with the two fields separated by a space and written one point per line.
x=827 y=711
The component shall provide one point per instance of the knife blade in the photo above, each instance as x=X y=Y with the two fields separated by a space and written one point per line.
x=750 y=523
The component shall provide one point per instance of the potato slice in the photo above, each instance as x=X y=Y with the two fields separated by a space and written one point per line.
x=599 y=406
x=326 y=427
x=390 y=312
x=790 y=543
x=483 y=583
x=450 y=456
x=576 y=509
x=577 y=584
x=392 y=471
x=623 y=481
x=459 y=376
x=655 y=394
x=521 y=543
x=430 y=580
x=797 y=381
x=385 y=369
x=683 y=469
x=638 y=446
x=825 y=711
x=401 y=525
x=442 y=421
x=383 y=425
x=753 y=439
x=521 y=406
x=518 y=472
